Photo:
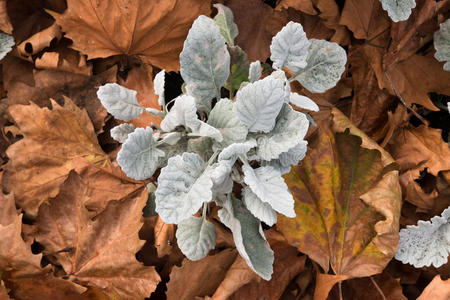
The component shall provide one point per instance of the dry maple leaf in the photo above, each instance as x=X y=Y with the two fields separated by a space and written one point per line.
x=438 y=289
x=154 y=30
x=347 y=201
x=99 y=252
x=41 y=161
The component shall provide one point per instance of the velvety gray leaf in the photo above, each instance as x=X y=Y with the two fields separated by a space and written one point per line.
x=303 y=102
x=289 y=47
x=120 y=132
x=442 y=44
x=326 y=63
x=263 y=211
x=267 y=183
x=254 y=72
x=224 y=19
x=248 y=237
x=172 y=138
x=119 y=101
x=183 y=186
x=6 y=44
x=204 y=61
x=139 y=156
x=195 y=237
x=398 y=10
x=290 y=129
x=259 y=103
x=158 y=86
x=223 y=118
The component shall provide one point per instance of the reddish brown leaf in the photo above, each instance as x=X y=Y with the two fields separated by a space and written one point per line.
x=305 y=6
x=438 y=289
x=153 y=30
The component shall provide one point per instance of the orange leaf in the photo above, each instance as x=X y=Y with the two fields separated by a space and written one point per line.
x=438 y=289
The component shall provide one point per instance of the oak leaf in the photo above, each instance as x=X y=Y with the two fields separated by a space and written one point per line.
x=437 y=289
x=99 y=252
x=152 y=30
x=41 y=161
x=348 y=183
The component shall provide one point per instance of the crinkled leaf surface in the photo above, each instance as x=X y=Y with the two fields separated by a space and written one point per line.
x=103 y=250
x=139 y=156
x=225 y=20
x=289 y=130
x=158 y=86
x=224 y=118
x=184 y=112
x=267 y=183
x=119 y=101
x=290 y=47
x=109 y=27
x=254 y=72
x=347 y=201
x=259 y=209
x=442 y=44
x=259 y=103
x=205 y=61
x=398 y=10
x=248 y=237
x=303 y=102
x=195 y=237
x=6 y=44
x=41 y=161
x=183 y=186
x=326 y=63
x=427 y=243
x=120 y=132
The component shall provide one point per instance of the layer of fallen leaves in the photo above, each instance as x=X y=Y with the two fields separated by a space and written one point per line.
x=71 y=222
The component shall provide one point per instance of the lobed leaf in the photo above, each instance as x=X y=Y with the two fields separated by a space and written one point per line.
x=120 y=132
x=248 y=237
x=254 y=72
x=139 y=156
x=6 y=44
x=289 y=47
x=195 y=237
x=326 y=63
x=158 y=86
x=119 y=101
x=205 y=61
x=183 y=186
x=398 y=10
x=442 y=44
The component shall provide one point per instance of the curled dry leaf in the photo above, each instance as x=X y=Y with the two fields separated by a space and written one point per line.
x=41 y=161
x=134 y=27
x=39 y=41
x=99 y=252
x=348 y=183
x=5 y=23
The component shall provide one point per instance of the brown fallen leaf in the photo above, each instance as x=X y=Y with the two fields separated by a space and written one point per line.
x=164 y=237
x=415 y=149
x=41 y=161
x=99 y=252
x=199 y=278
x=438 y=289
x=39 y=41
x=287 y=265
x=305 y=6
x=324 y=284
x=140 y=79
x=347 y=201
x=5 y=24
x=3 y=292
x=66 y=60
x=153 y=30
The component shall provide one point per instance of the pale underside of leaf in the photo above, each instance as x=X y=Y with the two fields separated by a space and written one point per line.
x=262 y=210
x=259 y=103
x=426 y=244
x=303 y=102
x=442 y=44
x=6 y=44
x=248 y=237
x=269 y=186
x=326 y=63
x=183 y=186
x=254 y=72
x=398 y=10
x=195 y=237
x=139 y=156
x=205 y=61
x=158 y=86
x=289 y=47
x=119 y=101
x=120 y=132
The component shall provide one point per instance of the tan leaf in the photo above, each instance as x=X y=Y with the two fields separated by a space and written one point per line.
x=286 y=266
x=140 y=79
x=99 y=252
x=415 y=149
x=39 y=41
x=347 y=183
x=5 y=24
x=199 y=278
x=164 y=237
x=153 y=30
x=41 y=161
x=3 y=292
x=65 y=60
x=438 y=289
x=324 y=284
x=305 y=6
x=366 y=19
